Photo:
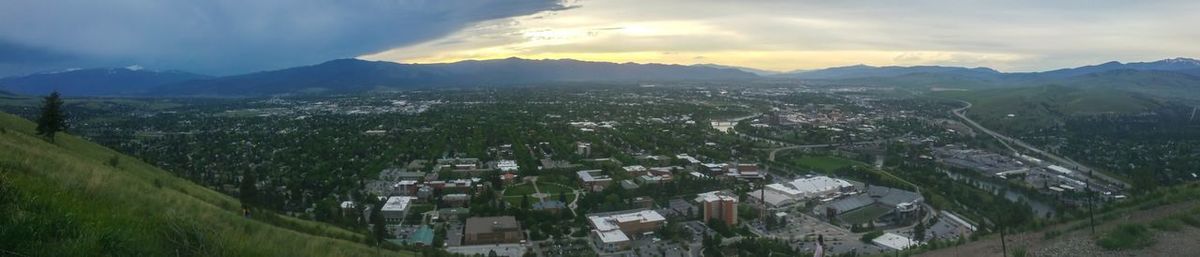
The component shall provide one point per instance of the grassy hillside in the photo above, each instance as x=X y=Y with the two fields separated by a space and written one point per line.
x=1044 y=105
x=1162 y=223
x=68 y=199
x=1173 y=85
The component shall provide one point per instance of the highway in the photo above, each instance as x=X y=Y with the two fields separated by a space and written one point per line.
x=1009 y=142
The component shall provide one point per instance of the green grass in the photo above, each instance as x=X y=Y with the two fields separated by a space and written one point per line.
x=527 y=189
x=864 y=214
x=62 y=199
x=513 y=194
x=1038 y=107
x=1167 y=224
x=823 y=163
x=1126 y=237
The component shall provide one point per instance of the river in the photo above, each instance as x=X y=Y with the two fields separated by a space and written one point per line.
x=1040 y=208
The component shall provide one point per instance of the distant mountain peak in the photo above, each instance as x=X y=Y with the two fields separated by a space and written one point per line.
x=1181 y=60
x=760 y=72
x=345 y=60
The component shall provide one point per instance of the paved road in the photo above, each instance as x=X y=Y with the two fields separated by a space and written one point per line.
x=960 y=112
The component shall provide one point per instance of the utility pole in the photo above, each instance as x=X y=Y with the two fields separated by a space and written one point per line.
x=762 y=192
x=1003 y=243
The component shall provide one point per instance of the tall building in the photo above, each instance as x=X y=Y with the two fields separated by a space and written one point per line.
x=720 y=207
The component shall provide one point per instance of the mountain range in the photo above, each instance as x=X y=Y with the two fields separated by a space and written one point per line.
x=1164 y=77
x=353 y=75
x=862 y=71
x=95 y=82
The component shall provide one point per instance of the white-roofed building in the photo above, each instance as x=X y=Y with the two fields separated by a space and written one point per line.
x=800 y=190
x=689 y=159
x=894 y=241
x=396 y=208
x=614 y=231
x=771 y=197
x=635 y=169
x=1060 y=169
x=507 y=166
x=814 y=187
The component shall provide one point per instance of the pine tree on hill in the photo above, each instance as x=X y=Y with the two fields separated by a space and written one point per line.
x=52 y=120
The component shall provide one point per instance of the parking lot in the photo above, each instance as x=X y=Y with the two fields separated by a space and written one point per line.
x=802 y=231
x=565 y=247
x=454 y=235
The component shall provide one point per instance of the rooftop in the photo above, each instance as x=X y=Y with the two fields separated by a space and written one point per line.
x=592 y=176
x=608 y=223
x=634 y=168
x=818 y=184
x=479 y=225
x=894 y=241
x=397 y=203
x=715 y=196
x=771 y=197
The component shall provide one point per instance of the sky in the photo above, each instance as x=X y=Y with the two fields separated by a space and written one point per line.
x=222 y=37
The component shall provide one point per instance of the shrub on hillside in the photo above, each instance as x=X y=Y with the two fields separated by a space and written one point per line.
x=1126 y=236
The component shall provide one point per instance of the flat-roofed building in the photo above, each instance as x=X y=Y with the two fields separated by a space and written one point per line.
x=772 y=198
x=396 y=208
x=613 y=232
x=635 y=170
x=744 y=170
x=507 y=166
x=719 y=206
x=456 y=200
x=594 y=180
x=813 y=187
x=492 y=230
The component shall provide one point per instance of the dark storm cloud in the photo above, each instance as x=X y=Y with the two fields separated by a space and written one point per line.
x=16 y=54
x=230 y=36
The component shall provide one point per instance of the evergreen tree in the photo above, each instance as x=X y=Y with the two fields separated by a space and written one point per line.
x=525 y=202
x=378 y=226
x=53 y=120
x=247 y=190
x=919 y=231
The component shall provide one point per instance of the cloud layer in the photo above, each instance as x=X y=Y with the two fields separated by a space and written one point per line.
x=1016 y=35
x=235 y=36
x=228 y=36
